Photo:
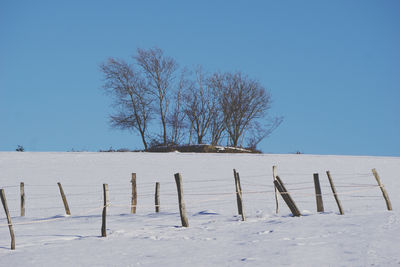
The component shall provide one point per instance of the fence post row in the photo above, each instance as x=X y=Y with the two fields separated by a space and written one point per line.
x=384 y=193
x=278 y=184
x=104 y=214
x=134 y=194
x=334 y=193
x=318 y=193
x=182 y=207
x=22 y=193
x=157 y=197
x=10 y=226
x=64 y=199
x=286 y=197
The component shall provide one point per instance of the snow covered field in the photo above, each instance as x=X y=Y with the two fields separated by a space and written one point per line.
x=366 y=235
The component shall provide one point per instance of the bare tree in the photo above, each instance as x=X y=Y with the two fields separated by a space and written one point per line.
x=159 y=71
x=228 y=106
x=131 y=96
x=217 y=126
x=176 y=118
x=200 y=104
x=243 y=101
x=259 y=133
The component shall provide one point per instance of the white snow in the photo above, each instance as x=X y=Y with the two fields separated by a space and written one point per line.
x=366 y=235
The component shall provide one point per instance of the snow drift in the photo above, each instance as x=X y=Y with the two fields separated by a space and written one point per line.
x=367 y=234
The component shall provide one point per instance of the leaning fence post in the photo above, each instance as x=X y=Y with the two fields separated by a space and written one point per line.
x=239 y=196
x=384 y=193
x=157 y=197
x=334 y=193
x=182 y=207
x=134 y=194
x=278 y=179
x=276 y=190
x=10 y=226
x=64 y=199
x=104 y=214
x=318 y=193
x=22 y=193
x=286 y=197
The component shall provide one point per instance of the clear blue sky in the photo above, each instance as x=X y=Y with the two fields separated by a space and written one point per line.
x=333 y=67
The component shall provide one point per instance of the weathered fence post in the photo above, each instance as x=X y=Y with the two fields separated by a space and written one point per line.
x=104 y=214
x=237 y=193
x=134 y=194
x=276 y=190
x=64 y=199
x=157 y=197
x=239 y=196
x=182 y=207
x=22 y=193
x=384 y=193
x=318 y=194
x=10 y=226
x=334 y=193
x=286 y=197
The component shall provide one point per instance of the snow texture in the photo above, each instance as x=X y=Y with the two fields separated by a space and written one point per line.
x=366 y=235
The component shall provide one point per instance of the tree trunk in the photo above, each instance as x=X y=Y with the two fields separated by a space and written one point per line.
x=190 y=133
x=144 y=141
x=234 y=141
x=164 y=129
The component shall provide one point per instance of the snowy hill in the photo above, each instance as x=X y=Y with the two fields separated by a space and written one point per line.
x=367 y=234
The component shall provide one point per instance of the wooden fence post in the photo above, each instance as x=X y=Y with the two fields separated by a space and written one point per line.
x=281 y=183
x=64 y=199
x=134 y=194
x=239 y=196
x=318 y=194
x=237 y=193
x=334 y=193
x=384 y=193
x=10 y=226
x=22 y=193
x=276 y=190
x=182 y=207
x=104 y=214
x=286 y=197
x=157 y=197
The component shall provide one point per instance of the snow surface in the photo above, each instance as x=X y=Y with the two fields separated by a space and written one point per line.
x=366 y=235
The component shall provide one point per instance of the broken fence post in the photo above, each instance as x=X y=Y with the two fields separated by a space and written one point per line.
x=286 y=197
x=318 y=193
x=384 y=193
x=10 y=226
x=182 y=207
x=334 y=193
x=64 y=199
